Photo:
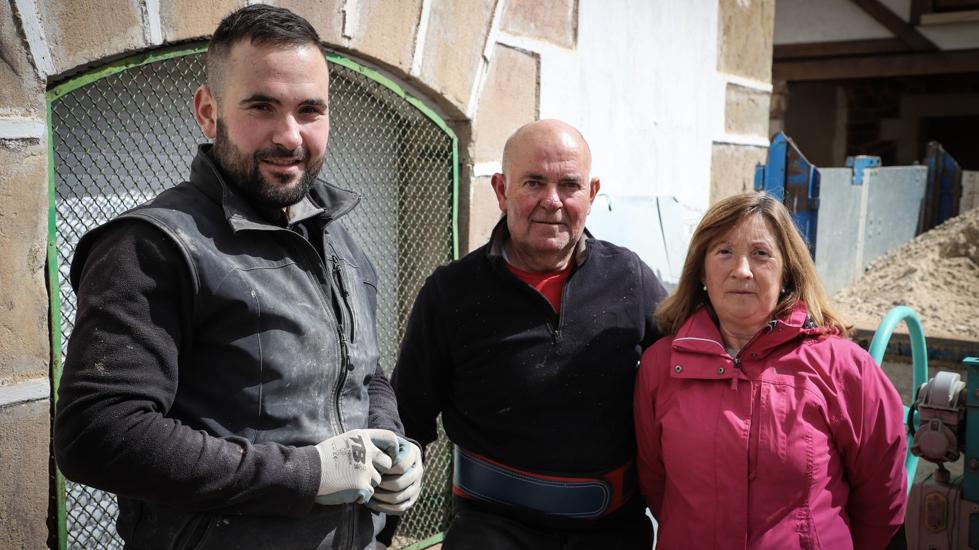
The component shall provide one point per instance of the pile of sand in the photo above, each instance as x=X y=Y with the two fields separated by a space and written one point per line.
x=936 y=274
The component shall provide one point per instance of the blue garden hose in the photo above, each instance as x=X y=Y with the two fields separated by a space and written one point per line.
x=919 y=357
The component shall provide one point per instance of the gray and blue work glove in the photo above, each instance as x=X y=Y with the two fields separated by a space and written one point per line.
x=402 y=483
x=351 y=465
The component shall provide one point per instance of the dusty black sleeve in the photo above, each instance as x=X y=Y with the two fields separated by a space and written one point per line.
x=420 y=376
x=120 y=378
x=383 y=409
x=653 y=293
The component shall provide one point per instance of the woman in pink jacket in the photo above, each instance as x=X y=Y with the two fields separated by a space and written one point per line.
x=759 y=424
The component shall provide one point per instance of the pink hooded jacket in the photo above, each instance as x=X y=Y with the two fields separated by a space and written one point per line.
x=798 y=442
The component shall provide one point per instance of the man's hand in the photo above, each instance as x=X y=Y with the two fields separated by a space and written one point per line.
x=351 y=464
x=401 y=484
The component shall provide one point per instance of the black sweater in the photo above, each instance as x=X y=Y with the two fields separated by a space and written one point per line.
x=518 y=383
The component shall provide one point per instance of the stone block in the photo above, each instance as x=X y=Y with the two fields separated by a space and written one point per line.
x=482 y=213
x=745 y=38
x=746 y=111
x=326 y=16
x=554 y=21
x=79 y=32
x=457 y=33
x=190 y=19
x=21 y=91
x=509 y=99
x=24 y=434
x=732 y=169
x=386 y=31
x=24 y=334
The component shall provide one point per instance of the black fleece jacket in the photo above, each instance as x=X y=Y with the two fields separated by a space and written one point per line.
x=518 y=383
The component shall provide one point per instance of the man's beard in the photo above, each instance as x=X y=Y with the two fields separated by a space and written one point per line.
x=245 y=175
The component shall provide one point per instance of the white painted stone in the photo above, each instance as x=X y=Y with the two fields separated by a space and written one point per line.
x=21 y=128
x=351 y=18
x=419 y=55
x=748 y=82
x=494 y=31
x=484 y=62
x=34 y=32
x=23 y=392
x=153 y=22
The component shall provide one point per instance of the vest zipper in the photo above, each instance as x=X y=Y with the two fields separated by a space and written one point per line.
x=344 y=293
x=342 y=338
x=341 y=333
x=342 y=370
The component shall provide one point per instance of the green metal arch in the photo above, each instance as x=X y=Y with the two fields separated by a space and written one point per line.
x=131 y=62
x=163 y=54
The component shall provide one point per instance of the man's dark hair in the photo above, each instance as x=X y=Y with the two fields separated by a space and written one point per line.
x=263 y=25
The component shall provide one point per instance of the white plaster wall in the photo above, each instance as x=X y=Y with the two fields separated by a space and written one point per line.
x=643 y=87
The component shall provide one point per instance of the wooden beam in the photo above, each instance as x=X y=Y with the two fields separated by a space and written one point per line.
x=838 y=48
x=876 y=66
x=914 y=39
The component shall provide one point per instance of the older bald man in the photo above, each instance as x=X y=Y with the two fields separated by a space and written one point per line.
x=528 y=348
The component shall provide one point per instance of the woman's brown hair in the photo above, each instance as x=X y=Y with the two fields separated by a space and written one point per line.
x=800 y=280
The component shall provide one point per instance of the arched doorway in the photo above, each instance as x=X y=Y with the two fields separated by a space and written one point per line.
x=124 y=132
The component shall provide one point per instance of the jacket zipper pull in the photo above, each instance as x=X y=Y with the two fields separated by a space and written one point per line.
x=339 y=276
x=345 y=353
x=344 y=295
x=736 y=373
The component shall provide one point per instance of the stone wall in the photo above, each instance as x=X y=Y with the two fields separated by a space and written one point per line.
x=24 y=348
x=744 y=59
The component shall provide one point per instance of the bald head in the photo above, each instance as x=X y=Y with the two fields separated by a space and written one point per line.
x=546 y=135
x=546 y=191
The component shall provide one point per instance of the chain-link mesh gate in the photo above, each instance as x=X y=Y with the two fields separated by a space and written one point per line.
x=123 y=134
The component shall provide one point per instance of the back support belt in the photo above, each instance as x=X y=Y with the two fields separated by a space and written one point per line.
x=479 y=478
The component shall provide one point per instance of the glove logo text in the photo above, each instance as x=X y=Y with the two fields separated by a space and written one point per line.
x=358 y=449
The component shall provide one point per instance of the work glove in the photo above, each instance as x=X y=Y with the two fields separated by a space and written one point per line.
x=402 y=483
x=351 y=464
